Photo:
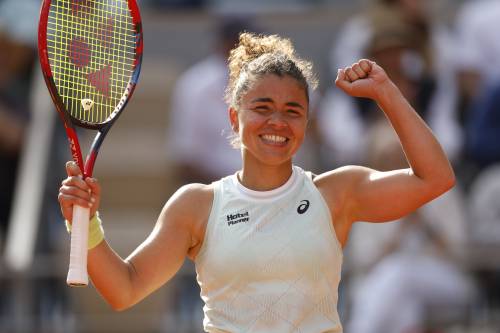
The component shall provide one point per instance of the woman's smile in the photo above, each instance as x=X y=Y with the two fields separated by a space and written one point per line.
x=273 y=139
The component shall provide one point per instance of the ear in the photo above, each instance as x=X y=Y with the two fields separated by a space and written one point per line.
x=233 y=118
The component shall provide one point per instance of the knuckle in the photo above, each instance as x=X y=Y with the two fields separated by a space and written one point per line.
x=74 y=178
x=65 y=189
x=62 y=198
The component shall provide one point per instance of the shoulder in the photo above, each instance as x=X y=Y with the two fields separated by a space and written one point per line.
x=335 y=185
x=186 y=213
x=342 y=176
x=189 y=205
x=192 y=195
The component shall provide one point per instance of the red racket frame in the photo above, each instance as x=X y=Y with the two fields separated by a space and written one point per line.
x=68 y=120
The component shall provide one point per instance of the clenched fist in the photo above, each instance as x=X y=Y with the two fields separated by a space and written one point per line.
x=363 y=79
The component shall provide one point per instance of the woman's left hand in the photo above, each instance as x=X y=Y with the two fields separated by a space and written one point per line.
x=363 y=79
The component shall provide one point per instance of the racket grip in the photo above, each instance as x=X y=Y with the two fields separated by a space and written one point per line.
x=77 y=273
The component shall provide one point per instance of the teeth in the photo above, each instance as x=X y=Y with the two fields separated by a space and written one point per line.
x=274 y=138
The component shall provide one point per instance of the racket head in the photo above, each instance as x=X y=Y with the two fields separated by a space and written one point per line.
x=90 y=53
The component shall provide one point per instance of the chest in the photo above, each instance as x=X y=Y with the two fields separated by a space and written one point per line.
x=269 y=241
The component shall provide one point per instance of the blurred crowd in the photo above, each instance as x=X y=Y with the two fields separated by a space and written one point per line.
x=435 y=270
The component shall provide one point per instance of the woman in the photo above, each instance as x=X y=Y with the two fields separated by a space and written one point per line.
x=267 y=241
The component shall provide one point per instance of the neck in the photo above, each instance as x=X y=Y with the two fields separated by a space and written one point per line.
x=265 y=177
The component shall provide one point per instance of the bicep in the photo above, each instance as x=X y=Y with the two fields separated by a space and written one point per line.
x=162 y=254
x=377 y=196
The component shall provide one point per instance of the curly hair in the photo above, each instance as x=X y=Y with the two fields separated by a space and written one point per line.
x=258 y=55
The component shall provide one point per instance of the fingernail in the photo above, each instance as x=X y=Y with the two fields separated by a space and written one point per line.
x=92 y=199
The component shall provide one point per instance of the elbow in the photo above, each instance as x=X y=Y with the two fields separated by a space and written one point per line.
x=119 y=306
x=120 y=302
x=446 y=185
x=439 y=184
x=445 y=182
x=449 y=180
x=126 y=297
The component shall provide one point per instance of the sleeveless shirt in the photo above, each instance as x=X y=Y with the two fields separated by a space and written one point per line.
x=270 y=261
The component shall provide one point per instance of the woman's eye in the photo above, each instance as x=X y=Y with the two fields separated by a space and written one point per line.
x=262 y=108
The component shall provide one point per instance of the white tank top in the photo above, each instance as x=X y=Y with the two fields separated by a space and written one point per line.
x=270 y=261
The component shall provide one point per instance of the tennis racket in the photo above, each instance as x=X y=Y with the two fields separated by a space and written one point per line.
x=90 y=52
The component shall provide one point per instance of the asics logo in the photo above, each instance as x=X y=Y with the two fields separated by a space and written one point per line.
x=303 y=207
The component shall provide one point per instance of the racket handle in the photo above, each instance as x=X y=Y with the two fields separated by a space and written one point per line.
x=77 y=273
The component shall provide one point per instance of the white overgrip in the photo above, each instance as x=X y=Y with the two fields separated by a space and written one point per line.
x=77 y=274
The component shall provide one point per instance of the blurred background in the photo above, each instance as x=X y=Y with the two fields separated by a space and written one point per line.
x=437 y=271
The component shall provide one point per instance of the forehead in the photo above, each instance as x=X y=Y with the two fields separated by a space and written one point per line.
x=279 y=88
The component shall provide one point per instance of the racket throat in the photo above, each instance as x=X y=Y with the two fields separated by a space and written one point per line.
x=89 y=164
x=74 y=145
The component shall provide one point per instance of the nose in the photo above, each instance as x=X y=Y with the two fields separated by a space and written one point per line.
x=277 y=119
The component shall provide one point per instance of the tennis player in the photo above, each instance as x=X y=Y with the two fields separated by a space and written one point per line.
x=267 y=241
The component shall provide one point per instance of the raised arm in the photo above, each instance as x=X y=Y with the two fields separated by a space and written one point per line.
x=124 y=282
x=364 y=194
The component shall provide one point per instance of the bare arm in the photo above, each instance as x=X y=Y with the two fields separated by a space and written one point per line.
x=122 y=283
x=374 y=196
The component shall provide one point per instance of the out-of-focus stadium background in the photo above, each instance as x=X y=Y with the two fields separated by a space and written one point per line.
x=438 y=271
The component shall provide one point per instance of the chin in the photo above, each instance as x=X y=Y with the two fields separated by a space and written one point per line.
x=275 y=160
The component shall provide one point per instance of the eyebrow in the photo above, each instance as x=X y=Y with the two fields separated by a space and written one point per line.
x=270 y=100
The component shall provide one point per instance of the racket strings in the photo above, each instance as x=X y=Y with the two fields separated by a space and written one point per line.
x=91 y=47
x=97 y=57
x=124 y=34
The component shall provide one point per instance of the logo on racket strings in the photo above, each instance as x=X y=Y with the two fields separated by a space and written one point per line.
x=87 y=104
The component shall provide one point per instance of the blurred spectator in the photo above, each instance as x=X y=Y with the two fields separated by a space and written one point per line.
x=478 y=74
x=416 y=53
x=17 y=55
x=484 y=206
x=477 y=53
x=199 y=93
x=483 y=127
x=484 y=209
x=16 y=59
x=415 y=275
x=175 y=4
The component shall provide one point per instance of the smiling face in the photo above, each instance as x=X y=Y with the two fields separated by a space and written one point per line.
x=271 y=120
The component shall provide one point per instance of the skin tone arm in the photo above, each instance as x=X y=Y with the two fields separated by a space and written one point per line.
x=122 y=283
x=363 y=194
